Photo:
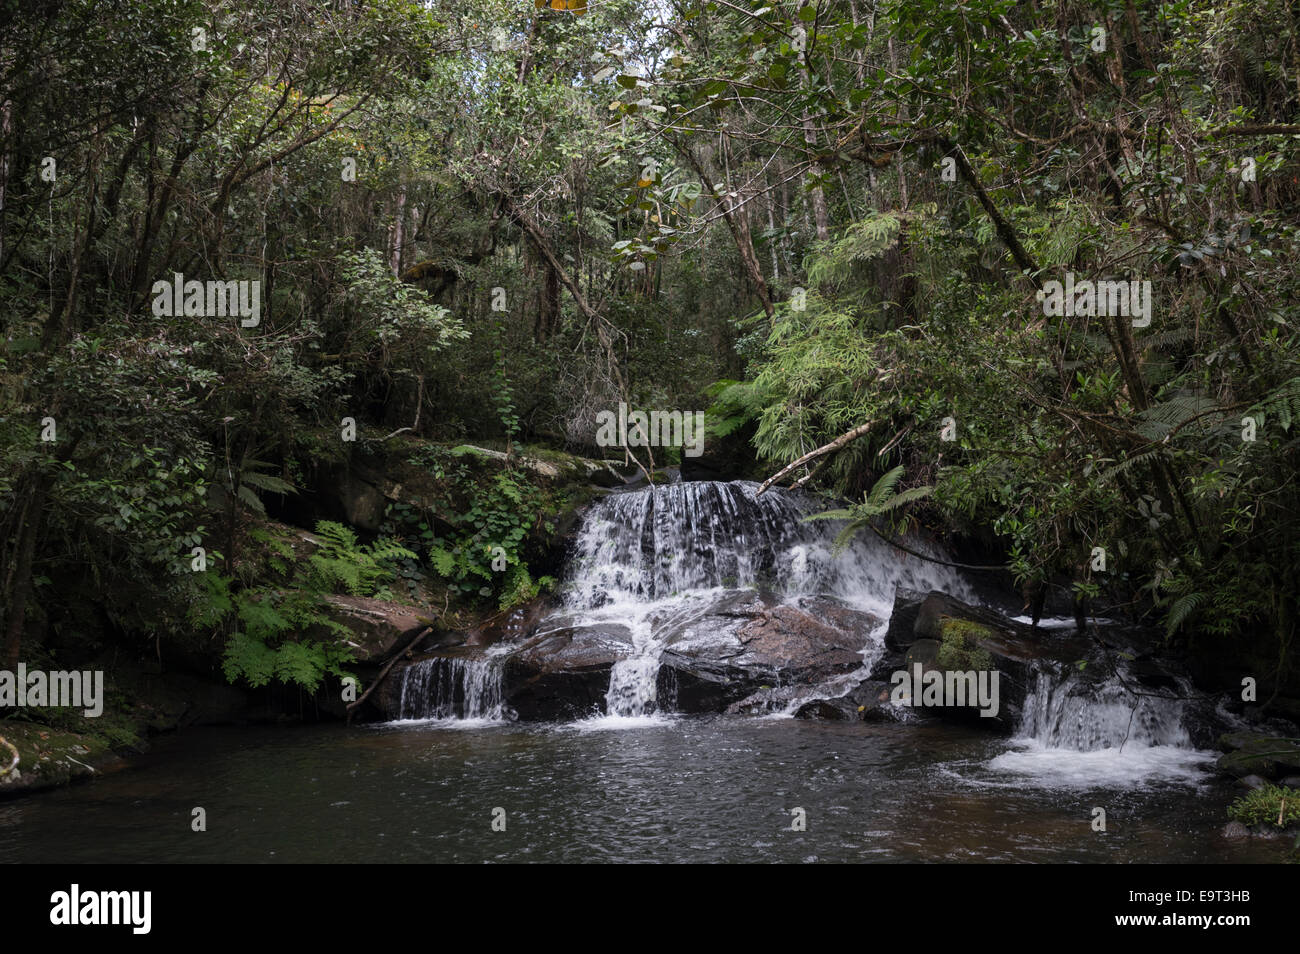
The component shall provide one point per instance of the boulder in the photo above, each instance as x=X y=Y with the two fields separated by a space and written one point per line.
x=378 y=626
x=514 y=625
x=1267 y=756
x=950 y=635
x=564 y=673
x=902 y=621
x=748 y=644
x=361 y=502
x=866 y=702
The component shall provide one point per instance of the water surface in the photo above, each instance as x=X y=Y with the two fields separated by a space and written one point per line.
x=673 y=789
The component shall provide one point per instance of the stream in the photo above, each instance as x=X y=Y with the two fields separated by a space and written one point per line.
x=652 y=586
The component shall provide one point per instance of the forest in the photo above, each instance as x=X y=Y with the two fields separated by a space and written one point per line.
x=1023 y=278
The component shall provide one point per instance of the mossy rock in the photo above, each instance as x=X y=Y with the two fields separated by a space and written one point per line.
x=1263 y=755
x=48 y=757
x=959 y=647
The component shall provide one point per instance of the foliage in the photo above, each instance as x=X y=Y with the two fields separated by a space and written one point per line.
x=1270 y=805
x=281 y=629
x=882 y=499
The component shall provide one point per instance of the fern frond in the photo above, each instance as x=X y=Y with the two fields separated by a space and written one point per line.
x=1182 y=608
x=251 y=500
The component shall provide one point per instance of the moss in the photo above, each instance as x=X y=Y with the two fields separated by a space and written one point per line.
x=48 y=756
x=1271 y=805
x=959 y=648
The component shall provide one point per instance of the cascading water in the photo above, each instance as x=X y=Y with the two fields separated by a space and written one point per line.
x=1066 y=714
x=651 y=559
x=1080 y=732
x=453 y=688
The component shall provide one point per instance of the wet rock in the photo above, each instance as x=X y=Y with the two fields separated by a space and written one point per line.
x=902 y=621
x=1291 y=781
x=564 y=673
x=1236 y=831
x=514 y=625
x=923 y=652
x=828 y=710
x=746 y=645
x=1252 y=781
x=867 y=702
x=1250 y=754
x=762 y=702
x=948 y=634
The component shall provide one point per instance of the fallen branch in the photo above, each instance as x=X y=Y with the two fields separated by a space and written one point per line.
x=1254 y=129
x=383 y=673
x=12 y=765
x=915 y=553
x=834 y=445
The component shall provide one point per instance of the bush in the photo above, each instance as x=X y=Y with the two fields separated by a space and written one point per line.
x=1273 y=805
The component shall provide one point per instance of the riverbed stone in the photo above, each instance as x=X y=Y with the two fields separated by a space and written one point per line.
x=1267 y=756
x=1235 y=831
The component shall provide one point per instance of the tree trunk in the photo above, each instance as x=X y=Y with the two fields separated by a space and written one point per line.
x=738 y=221
x=397 y=233
x=816 y=194
x=22 y=585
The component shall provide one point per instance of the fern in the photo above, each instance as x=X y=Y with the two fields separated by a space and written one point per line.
x=250 y=477
x=1181 y=610
x=341 y=563
x=880 y=500
x=735 y=404
x=1160 y=419
x=1282 y=402
x=862 y=241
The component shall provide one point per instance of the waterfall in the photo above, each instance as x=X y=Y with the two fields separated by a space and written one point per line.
x=1081 y=732
x=452 y=688
x=1069 y=714
x=658 y=555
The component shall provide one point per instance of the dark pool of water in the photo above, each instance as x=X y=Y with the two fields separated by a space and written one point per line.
x=685 y=789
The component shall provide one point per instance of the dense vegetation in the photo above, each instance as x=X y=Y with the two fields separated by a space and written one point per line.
x=484 y=221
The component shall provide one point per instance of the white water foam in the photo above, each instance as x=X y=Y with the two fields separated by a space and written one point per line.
x=1079 y=734
x=650 y=560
